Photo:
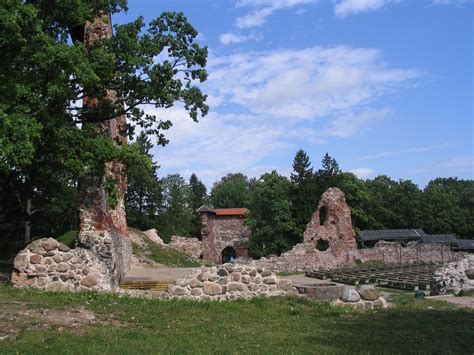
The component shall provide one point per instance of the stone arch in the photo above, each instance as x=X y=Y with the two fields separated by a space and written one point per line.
x=227 y=254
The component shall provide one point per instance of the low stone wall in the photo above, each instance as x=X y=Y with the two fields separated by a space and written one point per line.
x=454 y=277
x=230 y=282
x=48 y=265
x=189 y=246
x=298 y=260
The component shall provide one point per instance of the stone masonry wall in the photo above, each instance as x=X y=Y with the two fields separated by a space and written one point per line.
x=48 y=265
x=189 y=246
x=230 y=282
x=219 y=232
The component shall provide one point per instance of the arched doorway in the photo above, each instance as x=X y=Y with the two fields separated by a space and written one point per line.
x=228 y=254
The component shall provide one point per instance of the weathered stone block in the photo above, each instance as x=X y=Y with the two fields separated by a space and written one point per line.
x=222 y=272
x=236 y=287
x=62 y=267
x=63 y=247
x=196 y=291
x=89 y=281
x=285 y=285
x=350 y=295
x=36 y=259
x=195 y=283
x=368 y=292
x=21 y=261
x=211 y=288
x=270 y=280
x=50 y=244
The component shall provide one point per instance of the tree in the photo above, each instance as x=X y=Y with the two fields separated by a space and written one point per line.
x=230 y=191
x=197 y=198
x=175 y=215
x=144 y=197
x=48 y=70
x=449 y=207
x=328 y=176
x=271 y=220
x=305 y=199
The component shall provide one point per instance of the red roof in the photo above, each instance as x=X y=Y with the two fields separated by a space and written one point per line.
x=231 y=211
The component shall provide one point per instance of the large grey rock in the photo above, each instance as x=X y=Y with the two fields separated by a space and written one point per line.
x=21 y=261
x=236 y=287
x=368 y=292
x=195 y=283
x=212 y=288
x=350 y=295
x=50 y=244
x=380 y=303
x=470 y=274
x=89 y=281
x=270 y=280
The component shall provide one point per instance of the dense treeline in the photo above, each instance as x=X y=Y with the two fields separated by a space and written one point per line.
x=280 y=206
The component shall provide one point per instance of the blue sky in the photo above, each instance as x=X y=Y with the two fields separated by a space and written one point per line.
x=383 y=86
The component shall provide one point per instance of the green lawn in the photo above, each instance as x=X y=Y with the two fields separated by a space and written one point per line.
x=125 y=325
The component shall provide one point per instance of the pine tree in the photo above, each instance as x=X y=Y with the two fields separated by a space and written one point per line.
x=198 y=197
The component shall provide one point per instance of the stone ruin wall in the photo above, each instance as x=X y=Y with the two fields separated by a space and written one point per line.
x=192 y=247
x=48 y=265
x=456 y=277
x=337 y=231
x=219 y=232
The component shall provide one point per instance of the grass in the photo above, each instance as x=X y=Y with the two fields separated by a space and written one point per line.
x=279 y=325
x=469 y=293
x=164 y=256
x=68 y=238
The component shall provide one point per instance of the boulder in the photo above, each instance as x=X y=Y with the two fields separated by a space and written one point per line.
x=195 y=283
x=62 y=267
x=236 y=287
x=368 y=292
x=270 y=280
x=196 y=292
x=50 y=244
x=350 y=295
x=63 y=247
x=36 y=259
x=20 y=262
x=89 y=281
x=222 y=272
x=212 y=288
x=470 y=274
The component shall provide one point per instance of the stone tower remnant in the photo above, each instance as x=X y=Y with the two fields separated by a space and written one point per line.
x=330 y=228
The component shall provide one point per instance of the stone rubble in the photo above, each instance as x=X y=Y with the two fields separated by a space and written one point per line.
x=366 y=297
x=454 y=277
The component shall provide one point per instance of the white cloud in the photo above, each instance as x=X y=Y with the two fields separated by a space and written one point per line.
x=262 y=9
x=229 y=38
x=452 y=2
x=348 y=7
x=266 y=104
x=305 y=84
x=349 y=124
x=363 y=173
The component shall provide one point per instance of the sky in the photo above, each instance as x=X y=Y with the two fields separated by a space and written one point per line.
x=386 y=87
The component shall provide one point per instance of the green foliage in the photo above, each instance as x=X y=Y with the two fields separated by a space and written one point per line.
x=197 y=198
x=144 y=196
x=304 y=197
x=69 y=238
x=165 y=256
x=271 y=217
x=231 y=191
x=175 y=216
x=48 y=140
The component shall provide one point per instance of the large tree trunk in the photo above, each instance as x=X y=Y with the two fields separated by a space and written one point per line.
x=102 y=220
